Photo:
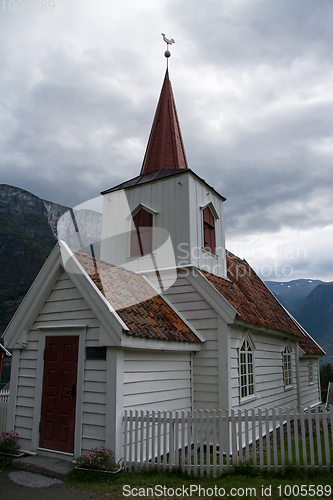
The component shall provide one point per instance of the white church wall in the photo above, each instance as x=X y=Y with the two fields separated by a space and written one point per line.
x=205 y=362
x=157 y=380
x=64 y=306
x=310 y=389
x=270 y=391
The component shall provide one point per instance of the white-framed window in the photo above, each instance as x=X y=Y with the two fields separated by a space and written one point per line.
x=287 y=369
x=246 y=370
x=310 y=367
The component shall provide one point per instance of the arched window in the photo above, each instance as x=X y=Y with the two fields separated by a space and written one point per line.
x=287 y=366
x=246 y=370
x=209 y=230
x=142 y=234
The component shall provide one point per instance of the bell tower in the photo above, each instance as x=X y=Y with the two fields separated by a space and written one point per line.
x=167 y=217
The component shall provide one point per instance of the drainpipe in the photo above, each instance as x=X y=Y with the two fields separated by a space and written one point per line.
x=298 y=378
x=191 y=375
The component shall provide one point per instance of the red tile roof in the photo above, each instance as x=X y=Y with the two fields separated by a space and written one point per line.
x=165 y=149
x=144 y=312
x=254 y=302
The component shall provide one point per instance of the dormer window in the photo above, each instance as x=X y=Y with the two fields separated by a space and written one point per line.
x=142 y=234
x=209 y=230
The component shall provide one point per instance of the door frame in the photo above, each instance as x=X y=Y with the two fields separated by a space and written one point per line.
x=60 y=331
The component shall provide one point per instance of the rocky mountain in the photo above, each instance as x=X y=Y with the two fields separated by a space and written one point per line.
x=311 y=303
x=316 y=316
x=28 y=232
x=292 y=294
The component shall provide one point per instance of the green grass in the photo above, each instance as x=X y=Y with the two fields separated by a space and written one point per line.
x=256 y=483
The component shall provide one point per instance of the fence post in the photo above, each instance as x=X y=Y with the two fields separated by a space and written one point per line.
x=195 y=441
x=130 y=440
x=201 y=443
x=296 y=437
x=275 y=451
x=221 y=440
x=320 y=457
x=305 y=458
x=261 y=448
x=312 y=457
x=183 y=442
x=125 y=439
x=189 y=441
x=153 y=427
x=147 y=418
x=214 y=443
x=165 y=431
x=171 y=441
x=176 y=434
x=247 y=451
x=326 y=439
x=233 y=439
x=281 y=421
x=254 y=440
x=240 y=437
x=268 y=442
x=290 y=454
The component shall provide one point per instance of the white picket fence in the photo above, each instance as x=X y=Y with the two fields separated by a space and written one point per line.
x=214 y=442
x=4 y=396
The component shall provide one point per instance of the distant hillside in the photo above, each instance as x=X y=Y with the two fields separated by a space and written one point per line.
x=311 y=303
x=316 y=316
x=292 y=294
x=28 y=233
x=28 y=230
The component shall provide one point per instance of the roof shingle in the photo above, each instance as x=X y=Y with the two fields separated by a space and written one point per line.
x=144 y=312
x=255 y=304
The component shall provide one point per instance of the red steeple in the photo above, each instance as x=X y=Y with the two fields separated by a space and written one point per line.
x=165 y=149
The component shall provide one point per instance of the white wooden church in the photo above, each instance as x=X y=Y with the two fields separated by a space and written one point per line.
x=164 y=319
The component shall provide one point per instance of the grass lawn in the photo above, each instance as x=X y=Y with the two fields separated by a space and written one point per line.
x=243 y=483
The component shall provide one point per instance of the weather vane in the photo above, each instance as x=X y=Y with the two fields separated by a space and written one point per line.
x=167 y=53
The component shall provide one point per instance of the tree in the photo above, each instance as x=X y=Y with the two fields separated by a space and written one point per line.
x=326 y=376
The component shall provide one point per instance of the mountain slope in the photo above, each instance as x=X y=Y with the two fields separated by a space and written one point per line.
x=311 y=303
x=27 y=235
x=292 y=294
x=316 y=316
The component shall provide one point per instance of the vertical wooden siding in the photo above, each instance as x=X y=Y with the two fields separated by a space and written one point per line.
x=205 y=362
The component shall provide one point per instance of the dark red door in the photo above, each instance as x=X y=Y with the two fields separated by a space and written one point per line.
x=59 y=394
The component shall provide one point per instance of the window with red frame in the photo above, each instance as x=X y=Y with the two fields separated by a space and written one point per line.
x=209 y=230
x=142 y=234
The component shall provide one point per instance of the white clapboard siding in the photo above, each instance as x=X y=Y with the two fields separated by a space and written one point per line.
x=205 y=362
x=268 y=372
x=310 y=391
x=155 y=380
x=64 y=306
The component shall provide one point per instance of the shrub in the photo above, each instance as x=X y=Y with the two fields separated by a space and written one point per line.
x=97 y=459
x=8 y=442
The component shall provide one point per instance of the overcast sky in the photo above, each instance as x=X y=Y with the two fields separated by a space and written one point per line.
x=252 y=81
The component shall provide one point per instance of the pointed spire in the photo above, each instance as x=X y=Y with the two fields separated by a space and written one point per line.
x=165 y=149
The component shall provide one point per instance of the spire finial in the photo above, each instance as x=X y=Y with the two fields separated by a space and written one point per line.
x=167 y=53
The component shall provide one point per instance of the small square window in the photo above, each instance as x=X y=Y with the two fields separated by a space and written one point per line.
x=96 y=353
